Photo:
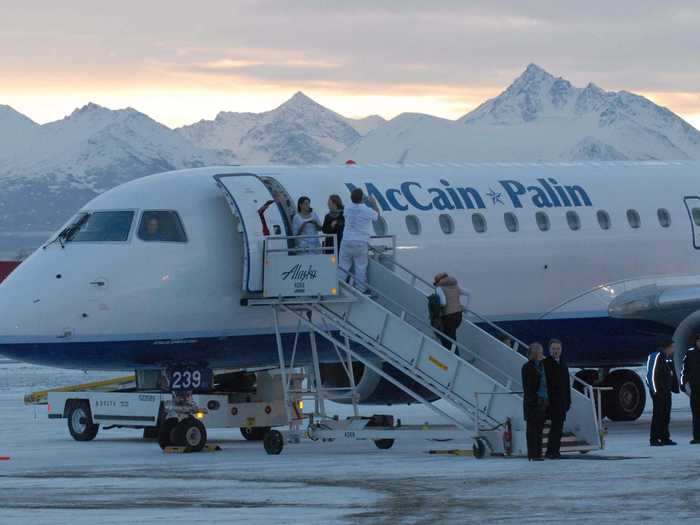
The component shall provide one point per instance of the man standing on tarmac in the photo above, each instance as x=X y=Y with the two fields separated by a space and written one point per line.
x=662 y=382
x=690 y=379
x=559 y=391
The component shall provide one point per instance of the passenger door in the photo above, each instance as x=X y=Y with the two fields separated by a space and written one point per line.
x=692 y=204
x=246 y=194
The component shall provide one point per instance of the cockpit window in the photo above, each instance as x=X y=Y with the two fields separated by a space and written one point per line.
x=100 y=226
x=161 y=226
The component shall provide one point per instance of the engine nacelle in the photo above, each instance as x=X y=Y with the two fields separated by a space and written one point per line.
x=373 y=389
x=684 y=338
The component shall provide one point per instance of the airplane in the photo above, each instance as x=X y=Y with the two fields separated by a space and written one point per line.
x=603 y=256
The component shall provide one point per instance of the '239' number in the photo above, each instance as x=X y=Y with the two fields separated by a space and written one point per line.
x=186 y=379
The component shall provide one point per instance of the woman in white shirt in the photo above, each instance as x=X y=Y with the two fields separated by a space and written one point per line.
x=306 y=222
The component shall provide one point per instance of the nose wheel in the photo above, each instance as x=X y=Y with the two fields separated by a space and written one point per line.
x=191 y=434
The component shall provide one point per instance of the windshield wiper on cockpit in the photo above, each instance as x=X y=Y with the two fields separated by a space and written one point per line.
x=68 y=234
x=69 y=231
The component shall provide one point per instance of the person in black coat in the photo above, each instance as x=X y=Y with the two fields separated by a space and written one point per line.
x=333 y=222
x=559 y=393
x=534 y=400
x=662 y=382
x=690 y=381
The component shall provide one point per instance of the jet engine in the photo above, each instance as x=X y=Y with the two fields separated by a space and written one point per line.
x=372 y=389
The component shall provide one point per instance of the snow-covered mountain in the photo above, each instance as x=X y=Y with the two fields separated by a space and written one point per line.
x=61 y=165
x=300 y=131
x=15 y=130
x=366 y=124
x=537 y=118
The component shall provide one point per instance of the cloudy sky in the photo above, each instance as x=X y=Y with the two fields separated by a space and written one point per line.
x=181 y=61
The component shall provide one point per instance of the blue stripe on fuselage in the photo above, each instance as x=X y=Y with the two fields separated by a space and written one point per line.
x=589 y=342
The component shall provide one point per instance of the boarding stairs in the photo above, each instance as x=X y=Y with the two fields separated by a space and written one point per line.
x=478 y=342
x=478 y=375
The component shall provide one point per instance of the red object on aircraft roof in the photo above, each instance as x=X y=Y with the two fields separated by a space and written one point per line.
x=350 y=162
x=6 y=268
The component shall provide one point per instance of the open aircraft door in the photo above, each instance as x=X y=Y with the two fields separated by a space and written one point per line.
x=246 y=194
x=692 y=204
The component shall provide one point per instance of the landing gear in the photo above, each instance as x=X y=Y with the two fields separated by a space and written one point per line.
x=80 y=423
x=627 y=399
x=191 y=434
x=166 y=433
x=254 y=433
x=182 y=426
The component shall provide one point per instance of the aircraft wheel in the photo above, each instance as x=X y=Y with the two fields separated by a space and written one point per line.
x=384 y=444
x=191 y=434
x=254 y=433
x=80 y=423
x=273 y=442
x=166 y=433
x=627 y=399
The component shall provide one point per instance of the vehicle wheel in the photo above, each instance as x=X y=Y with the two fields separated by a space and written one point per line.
x=254 y=433
x=627 y=399
x=166 y=433
x=80 y=423
x=384 y=444
x=273 y=442
x=191 y=434
x=479 y=448
x=150 y=433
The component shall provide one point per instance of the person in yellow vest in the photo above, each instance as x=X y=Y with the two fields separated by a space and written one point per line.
x=450 y=294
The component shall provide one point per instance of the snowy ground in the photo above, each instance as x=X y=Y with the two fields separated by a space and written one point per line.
x=120 y=479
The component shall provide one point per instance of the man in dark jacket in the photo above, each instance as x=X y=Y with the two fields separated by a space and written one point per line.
x=534 y=400
x=662 y=382
x=690 y=380
x=559 y=392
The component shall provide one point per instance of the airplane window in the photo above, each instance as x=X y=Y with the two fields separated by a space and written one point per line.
x=102 y=226
x=542 y=221
x=634 y=219
x=413 y=224
x=479 y=223
x=511 y=221
x=603 y=219
x=696 y=216
x=664 y=217
x=447 y=224
x=161 y=226
x=574 y=220
x=380 y=226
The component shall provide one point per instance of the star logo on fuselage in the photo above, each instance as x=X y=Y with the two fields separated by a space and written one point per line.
x=495 y=197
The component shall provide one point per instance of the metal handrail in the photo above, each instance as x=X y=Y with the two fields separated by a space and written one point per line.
x=295 y=249
x=498 y=329
x=415 y=277
x=403 y=312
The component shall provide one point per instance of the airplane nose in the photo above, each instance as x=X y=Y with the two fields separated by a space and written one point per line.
x=19 y=315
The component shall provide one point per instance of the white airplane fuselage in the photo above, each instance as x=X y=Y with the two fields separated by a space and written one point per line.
x=138 y=304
